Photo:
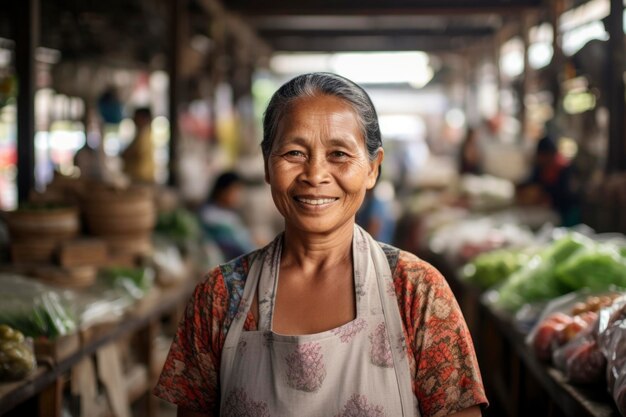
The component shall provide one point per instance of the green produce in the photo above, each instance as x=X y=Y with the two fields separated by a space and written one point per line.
x=179 y=224
x=33 y=309
x=135 y=282
x=16 y=357
x=596 y=267
x=491 y=268
x=536 y=280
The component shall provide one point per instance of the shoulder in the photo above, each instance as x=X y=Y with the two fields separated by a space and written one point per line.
x=409 y=268
x=227 y=280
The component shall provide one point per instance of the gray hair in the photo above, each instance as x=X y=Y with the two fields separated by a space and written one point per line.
x=322 y=83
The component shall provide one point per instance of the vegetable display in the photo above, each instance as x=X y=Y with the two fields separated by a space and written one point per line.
x=135 y=282
x=34 y=309
x=570 y=263
x=491 y=268
x=16 y=355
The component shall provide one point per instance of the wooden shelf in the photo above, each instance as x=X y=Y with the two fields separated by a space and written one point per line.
x=140 y=318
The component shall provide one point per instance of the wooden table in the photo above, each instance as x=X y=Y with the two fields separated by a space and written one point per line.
x=45 y=384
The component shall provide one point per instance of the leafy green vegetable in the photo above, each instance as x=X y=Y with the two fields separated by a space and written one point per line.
x=135 y=282
x=596 y=267
x=491 y=268
x=180 y=224
x=569 y=264
x=41 y=314
x=536 y=280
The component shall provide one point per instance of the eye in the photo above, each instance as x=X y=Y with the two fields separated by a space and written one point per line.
x=338 y=154
x=294 y=155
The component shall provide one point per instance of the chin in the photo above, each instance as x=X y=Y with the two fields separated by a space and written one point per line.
x=317 y=228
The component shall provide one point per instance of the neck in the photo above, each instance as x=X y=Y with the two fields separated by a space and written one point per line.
x=311 y=252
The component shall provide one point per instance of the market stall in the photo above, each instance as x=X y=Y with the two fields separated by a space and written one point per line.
x=545 y=306
x=91 y=280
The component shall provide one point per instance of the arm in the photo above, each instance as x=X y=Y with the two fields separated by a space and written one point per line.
x=446 y=378
x=190 y=376
x=183 y=412
x=468 y=412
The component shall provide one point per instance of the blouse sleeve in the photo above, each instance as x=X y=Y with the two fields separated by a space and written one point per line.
x=190 y=377
x=446 y=377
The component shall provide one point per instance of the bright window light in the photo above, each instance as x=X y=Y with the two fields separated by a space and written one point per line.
x=593 y=10
x=577 y=38
x=364 y=68
x=512 y=57
x=540 y=50
x=539 y=55
x=402 y=126
x=384 y=67
x=455 y=118
x=298 y=63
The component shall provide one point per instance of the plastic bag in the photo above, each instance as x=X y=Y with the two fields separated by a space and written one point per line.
x=134 y=282
x=612 y=343
x=168 y=263
x=35 y=309
x=564 y=318
x=583 y=359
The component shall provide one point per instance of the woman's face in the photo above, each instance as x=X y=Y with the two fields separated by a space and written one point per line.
x=318 y=167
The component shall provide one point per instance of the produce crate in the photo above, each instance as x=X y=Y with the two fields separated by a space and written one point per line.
x=56 y=350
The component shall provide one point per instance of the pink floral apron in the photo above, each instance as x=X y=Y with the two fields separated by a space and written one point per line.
x=359 y=369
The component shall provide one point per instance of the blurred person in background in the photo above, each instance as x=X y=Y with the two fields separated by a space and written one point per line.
x=550 y=183
x=376 y=214
x=138 y=156
x=221 y=221
x=469 y=154
x=323 y=321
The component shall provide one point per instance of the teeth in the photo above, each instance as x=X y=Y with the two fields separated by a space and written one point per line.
x=316 y=202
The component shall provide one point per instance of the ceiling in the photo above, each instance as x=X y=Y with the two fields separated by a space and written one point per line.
x=365 y=25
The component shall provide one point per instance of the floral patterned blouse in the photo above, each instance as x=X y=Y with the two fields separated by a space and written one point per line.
x=444 y=369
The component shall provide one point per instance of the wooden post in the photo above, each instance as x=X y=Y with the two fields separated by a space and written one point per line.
x=51 y=399
x=556 y=65
x=525 y=33
x=616 y=159
x=176 y=14
x=27 y=39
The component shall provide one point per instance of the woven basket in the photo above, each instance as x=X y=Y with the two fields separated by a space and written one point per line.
x=34 y=223
x=112 y=212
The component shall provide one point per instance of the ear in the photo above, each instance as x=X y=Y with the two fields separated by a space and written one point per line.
x=372 y=176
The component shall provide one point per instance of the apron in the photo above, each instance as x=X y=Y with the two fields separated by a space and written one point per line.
x=359 y=369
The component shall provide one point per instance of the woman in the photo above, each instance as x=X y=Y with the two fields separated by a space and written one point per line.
x=324 y=321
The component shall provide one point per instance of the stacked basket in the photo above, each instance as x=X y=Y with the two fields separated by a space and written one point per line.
x=38 y=230
x=123 y=218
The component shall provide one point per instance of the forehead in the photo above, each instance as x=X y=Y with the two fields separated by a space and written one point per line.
x=319 y=112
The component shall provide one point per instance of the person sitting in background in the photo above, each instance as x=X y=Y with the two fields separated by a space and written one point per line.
x=138 y=157
x=469 y=154
x=550 y=183
x=220 y=220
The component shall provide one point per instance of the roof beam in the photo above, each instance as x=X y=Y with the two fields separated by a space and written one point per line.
x=377 y=7
x=369 y=43
x=403 y=32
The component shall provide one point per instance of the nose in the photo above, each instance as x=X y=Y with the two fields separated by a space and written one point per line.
x=316 y=172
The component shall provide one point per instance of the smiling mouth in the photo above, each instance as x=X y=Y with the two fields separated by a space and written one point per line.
x=315 y=201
